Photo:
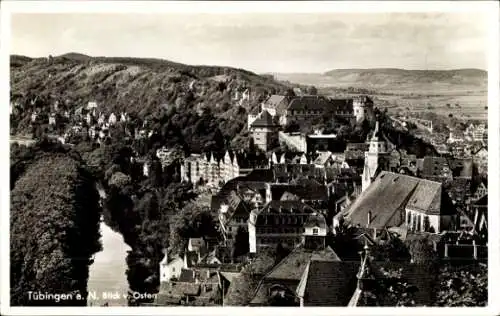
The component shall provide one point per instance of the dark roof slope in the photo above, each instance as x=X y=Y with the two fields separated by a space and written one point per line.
x=310 y=103
x=391 y=191
x=264 y=120
x=330 y=283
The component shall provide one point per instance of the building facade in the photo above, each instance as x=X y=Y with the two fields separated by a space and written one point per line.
x=264 y=131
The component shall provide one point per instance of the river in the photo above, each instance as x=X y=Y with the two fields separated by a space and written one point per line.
x=107 y=275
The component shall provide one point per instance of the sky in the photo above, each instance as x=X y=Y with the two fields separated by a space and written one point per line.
x=264 y=42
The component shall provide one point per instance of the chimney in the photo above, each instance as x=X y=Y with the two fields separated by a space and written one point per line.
x=369 y=219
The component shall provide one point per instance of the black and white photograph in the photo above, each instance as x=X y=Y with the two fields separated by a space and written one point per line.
x=212 y=155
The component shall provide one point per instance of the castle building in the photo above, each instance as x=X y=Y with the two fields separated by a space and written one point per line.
x=363 y=108
x=264 y=131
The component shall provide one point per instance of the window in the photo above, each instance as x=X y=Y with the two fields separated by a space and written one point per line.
x=315 y=231
x=173 y=269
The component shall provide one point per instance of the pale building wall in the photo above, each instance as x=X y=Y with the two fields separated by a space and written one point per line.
x=309 y=231
x=170 y=270
x=252 y=238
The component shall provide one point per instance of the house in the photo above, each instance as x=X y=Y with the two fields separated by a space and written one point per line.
x=480 y=211
x=34 y=116
x=418 y=277
x=232 y=215
x=480 y=191
x=436 y=169
x=278 y=222
x=194 y=287
x=212 y=169
x=456 y=136
x=112 y=119
x=264 y=131
x=52 y=119
x=92 y=105
x=276 y=105
x=197 y=245
x=476 y=132
x=280 y=284
x=395 y=199
x=327 y=283
x=324 y=142
x=295 y=141
x=170 y=268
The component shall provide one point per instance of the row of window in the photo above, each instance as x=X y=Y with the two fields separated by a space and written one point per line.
x=284 y=219
x=280 y=230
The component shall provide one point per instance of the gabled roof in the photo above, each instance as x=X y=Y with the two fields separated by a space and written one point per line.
x=276 y=100
x=263 y=120
x=316 y=220
x=323 y=158
x=309 y=103
x=389 y=193
x=482 y=201
x=187 y=275
x=328 y=283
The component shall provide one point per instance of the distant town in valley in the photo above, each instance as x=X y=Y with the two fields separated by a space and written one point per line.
x=146 y=182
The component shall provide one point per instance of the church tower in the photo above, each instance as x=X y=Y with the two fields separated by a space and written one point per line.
x=377 y=148
x=364 y=293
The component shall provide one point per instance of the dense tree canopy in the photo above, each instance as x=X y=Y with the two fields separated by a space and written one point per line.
x=54 y=230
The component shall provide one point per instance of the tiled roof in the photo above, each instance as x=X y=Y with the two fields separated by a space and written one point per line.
x=316 y=220
x=482 y=201
x=277 y=101
x=309 y=103
x=290 y=270
x=388 y=193
x=323 y=158
x=187 y=275
x=329 y=283
x=167 y=299
x=286 y=207
x=263 y=120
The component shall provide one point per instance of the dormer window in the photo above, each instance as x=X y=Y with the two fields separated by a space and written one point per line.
x=315 y=231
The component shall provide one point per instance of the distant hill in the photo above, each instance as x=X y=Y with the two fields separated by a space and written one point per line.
x=394 y=79
x=141 y=86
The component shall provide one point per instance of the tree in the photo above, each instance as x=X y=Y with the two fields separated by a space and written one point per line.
x=290 y=93
x=462 y=286
x=312 y=90
x=393 y=290
x=54 y=230
x=392 y=250
x=422 y=251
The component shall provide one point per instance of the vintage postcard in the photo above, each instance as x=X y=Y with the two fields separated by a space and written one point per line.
x=230 y=155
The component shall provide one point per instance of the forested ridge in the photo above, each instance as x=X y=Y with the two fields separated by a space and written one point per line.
x=182 y=103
